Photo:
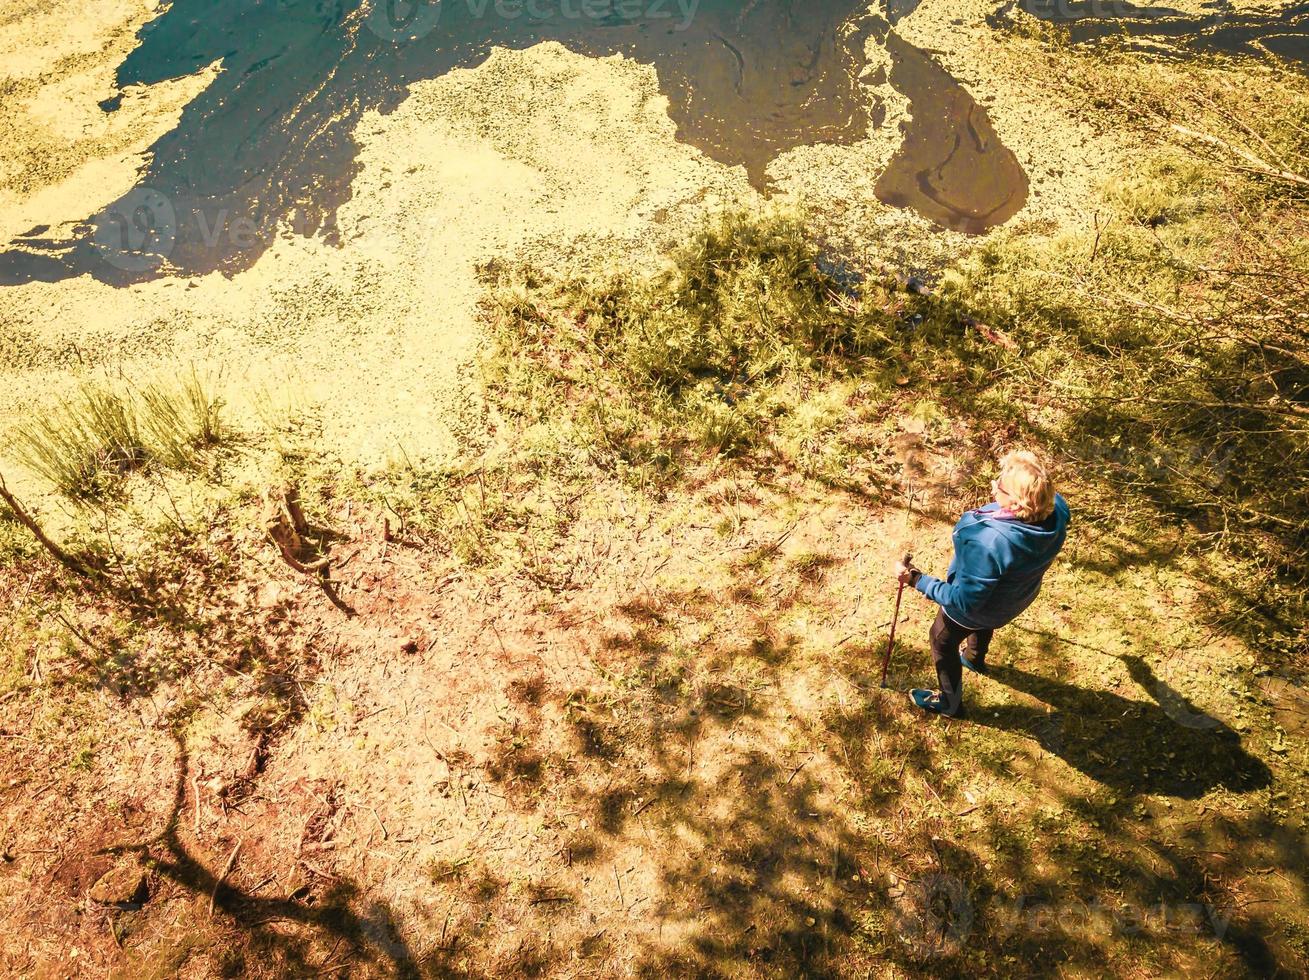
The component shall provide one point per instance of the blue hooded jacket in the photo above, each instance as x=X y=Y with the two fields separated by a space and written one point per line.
x=997 y=566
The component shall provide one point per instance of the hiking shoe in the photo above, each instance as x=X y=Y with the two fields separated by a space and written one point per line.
x=976 y=666
x=933 y=702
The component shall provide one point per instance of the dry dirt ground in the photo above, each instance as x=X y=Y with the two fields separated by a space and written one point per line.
x=660 y=747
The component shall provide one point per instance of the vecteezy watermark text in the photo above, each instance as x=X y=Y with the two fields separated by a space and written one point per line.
x=142 y=229
x=1030 y=916
x=1071 y=10
x=137 y=232
x=935 y=916
x=404 y=21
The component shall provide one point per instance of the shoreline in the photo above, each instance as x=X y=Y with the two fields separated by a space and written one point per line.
x=374 y=334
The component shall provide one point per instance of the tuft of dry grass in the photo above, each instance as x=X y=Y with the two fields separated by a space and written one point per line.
x=86 y=443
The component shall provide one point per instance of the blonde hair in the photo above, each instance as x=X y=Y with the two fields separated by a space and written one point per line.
x=1027 y=485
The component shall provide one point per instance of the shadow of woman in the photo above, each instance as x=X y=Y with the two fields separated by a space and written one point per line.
x=1164 y=746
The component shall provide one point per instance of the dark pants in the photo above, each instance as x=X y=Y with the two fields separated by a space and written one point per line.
x=946 y=636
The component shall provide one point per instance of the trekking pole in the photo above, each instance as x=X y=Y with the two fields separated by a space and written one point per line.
x=895 y=618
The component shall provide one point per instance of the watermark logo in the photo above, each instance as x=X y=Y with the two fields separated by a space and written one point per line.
x=1118 y=10
x=1175 y=705
x=406 y=21
x=1028 y=916
x=402 y=21
x=1162 y=25
x=933 y=916
x=1049 y=732
x=137 y=232
x=143 y=228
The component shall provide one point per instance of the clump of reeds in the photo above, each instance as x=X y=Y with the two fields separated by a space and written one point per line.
x=84 y=444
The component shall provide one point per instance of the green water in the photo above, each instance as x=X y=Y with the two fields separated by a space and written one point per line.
x=269 y=144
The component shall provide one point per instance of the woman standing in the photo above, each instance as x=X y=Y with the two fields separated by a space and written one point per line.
x=1001 y=552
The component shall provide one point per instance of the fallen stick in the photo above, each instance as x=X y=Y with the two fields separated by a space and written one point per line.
x=318 y=871
x=308 y=568
x=74 y=565
x=227 y=870
x=1260 y=165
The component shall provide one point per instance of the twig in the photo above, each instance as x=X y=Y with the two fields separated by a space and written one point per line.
x=75 y=565
x=78 y=632
x=1099 y=230
x=933 y=792
x=307 y=568
x=113 y=931
x=373 y=811
x=1259 y=165
x=329 y=964
x=772 y=549
x=227 y=870
x=542 y=899
x=318 y=871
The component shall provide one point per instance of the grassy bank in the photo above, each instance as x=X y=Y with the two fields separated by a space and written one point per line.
x=1160 y=360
